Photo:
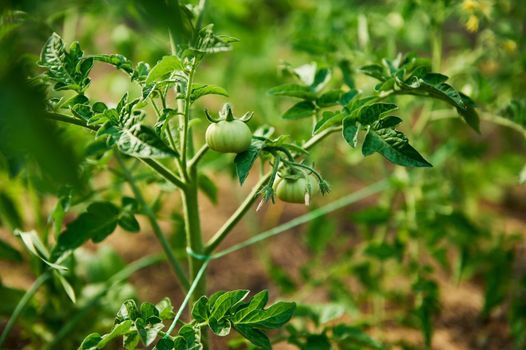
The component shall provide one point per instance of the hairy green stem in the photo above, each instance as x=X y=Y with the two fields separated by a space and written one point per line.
x=237 y=216
x=147 y=210
x=71 y=120
x=189 y=295
x=164 y=172
x=194 y=242
x=197 y=157
x=22 y=304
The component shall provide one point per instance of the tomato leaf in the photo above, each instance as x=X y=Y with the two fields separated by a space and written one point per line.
x=293 y=90
x=350 y=131
x=141 y=141
x=255 y=336
x=117 y=60
x=163 y=67
x=394 y=146
x=199 y=90
x=303 y=109
x=245 y=160
x=99 y=221
x=371 y=113
x=68 y=69
x=374 y=70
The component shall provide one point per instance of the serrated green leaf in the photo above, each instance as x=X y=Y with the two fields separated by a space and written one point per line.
x=96 y=223
x=327 y=120
x=329 y=98
x=199 y=90
x=257 y=302
x=189 y=338
x=344 y=334
x=82 y=111
x=142 y=142
x=220 y=327
x=165 y=308
x=209 y=42
x=117 y=60
x=148 y=310
x=163 y=67
x=164 y=344
x=350 y=131
x=67 y=287
x=274 y=317
x=131 y=340
x=200 y=309
x=374 y=70
x=469 y=113
x=128 y=311
x=371 y=113
x=225 y=302
x=255 y=336
x=147 y=332
x=293 y=90
x=37 y=248
x=394 y=146
x=300 y=110
x=322 y=77
x=387 y=122
x=245 y=160
x=90 y=342
x=62 y=65
x=118 y=330
x=128 y=222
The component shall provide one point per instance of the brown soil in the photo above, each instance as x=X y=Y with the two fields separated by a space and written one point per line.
x=458 y=327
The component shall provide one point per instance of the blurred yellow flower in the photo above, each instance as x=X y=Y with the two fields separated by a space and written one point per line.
x=485 y=7
x=472 y=23
x=509 y=45
x=470 y=5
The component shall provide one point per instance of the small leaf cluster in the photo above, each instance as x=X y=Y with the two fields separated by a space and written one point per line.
x=134 y=324
x=221 y=312
x=353 y=112
x=123 y=126
x=226 y=310
x=412 y=76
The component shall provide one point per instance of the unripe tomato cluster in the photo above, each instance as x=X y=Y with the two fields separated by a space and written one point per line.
x=230 y=135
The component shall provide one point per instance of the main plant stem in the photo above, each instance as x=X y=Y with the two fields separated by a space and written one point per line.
x=194 y=242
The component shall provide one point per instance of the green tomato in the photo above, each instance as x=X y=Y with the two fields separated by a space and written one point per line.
x=295 y=190
x=228 y=136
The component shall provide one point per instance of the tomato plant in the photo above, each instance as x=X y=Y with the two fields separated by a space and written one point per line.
x=411 y=110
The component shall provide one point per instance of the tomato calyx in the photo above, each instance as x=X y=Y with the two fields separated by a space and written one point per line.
x=226 y=114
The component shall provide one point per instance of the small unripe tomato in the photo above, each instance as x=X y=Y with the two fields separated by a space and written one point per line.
x=232 y=136
x=295 y=190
